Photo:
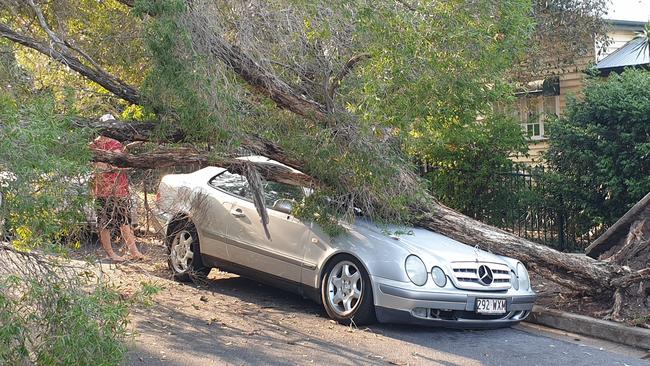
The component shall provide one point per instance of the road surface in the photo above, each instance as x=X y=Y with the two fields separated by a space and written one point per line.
x=235 y=321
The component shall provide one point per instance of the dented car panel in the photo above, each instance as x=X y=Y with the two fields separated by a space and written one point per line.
x=461 y=286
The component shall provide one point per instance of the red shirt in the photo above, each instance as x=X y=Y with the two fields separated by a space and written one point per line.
x=109 y=183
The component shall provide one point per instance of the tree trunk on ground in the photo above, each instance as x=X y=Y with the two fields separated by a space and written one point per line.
x=627 y=242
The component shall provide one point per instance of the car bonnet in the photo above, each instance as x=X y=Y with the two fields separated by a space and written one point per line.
x=426 y=243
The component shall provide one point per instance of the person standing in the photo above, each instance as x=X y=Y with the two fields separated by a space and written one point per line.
x=111 y=190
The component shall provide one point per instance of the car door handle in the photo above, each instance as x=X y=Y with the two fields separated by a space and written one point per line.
x=237 y=212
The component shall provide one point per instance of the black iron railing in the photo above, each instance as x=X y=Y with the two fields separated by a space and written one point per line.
x=520 y=202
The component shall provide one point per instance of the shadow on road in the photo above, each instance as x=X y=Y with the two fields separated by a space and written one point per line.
x=256 y=330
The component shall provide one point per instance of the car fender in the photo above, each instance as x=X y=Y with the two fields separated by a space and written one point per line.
x=380 y=256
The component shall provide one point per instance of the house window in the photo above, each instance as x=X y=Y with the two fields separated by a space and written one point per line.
x=533 y=111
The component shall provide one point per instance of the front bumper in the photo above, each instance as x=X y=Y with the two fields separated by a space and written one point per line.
x=451 y=309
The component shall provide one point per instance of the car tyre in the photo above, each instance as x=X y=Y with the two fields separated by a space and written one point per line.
x=346 y=292
x=184 y=256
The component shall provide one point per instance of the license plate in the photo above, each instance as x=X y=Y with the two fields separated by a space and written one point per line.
x=491 y=306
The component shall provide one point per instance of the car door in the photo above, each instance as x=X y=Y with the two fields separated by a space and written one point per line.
x=281 y=252
x=213 y=213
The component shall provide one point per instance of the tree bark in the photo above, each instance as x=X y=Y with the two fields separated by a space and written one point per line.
x=150 y=131
x=132 y=131
x=575 y=270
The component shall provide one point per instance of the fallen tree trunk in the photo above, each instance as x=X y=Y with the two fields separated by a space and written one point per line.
x=627 y=242
x=577 y=272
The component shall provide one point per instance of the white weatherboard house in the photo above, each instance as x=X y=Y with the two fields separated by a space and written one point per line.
x=548 y=97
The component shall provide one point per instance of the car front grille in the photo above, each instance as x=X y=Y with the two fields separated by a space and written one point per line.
x=466 y=276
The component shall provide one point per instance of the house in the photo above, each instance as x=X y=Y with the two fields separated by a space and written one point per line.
x=538 y=100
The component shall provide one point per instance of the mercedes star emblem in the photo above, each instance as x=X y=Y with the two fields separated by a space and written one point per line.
x=485 y=276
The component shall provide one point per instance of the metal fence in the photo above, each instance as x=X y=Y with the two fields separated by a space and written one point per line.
x=519 y=202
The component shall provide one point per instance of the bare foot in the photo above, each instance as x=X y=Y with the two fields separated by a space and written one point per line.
x=116 y=258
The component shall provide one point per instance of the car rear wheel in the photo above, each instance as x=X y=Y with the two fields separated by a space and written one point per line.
x=346 y=292
x=184 y=256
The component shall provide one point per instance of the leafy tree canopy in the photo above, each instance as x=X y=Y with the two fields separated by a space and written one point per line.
x=392 y=77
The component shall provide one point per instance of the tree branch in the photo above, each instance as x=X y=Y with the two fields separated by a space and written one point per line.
x=107 y=81
x=164 y=158
x=336 y=81
x=151 y=131
x=132 y=131
x=65 y=44
x=260 y=80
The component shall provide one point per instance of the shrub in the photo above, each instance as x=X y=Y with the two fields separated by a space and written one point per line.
x=600 y=149
x=52 y=314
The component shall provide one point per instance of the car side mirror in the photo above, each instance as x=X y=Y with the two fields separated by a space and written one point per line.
x=283 y=205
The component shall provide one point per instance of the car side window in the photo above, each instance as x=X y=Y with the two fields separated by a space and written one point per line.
x=274 y=191
x=234 y=184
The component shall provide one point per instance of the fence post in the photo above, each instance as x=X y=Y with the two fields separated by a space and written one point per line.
x=561 y=228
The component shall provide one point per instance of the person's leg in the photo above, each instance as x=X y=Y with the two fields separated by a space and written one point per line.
x=105 y=240
x=124 y=219
x=103 y=224
x=129 y=238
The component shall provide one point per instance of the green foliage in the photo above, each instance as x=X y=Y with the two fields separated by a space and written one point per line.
x=442 y=75
x=600 y=149
x=467 y=169
x=147 y=292
x=53 y=321
x=45 y=170
x=432 y=71
x=175 y=88
x=101 y=29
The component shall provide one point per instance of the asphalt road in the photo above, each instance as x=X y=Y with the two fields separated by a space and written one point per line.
x=235 y=321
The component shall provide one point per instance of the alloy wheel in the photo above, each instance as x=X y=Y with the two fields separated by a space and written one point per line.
x=344 y=288
x=181 y=251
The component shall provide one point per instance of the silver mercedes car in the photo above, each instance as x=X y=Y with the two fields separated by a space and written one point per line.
x=369 y=274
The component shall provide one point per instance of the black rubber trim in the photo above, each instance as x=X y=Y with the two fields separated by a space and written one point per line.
x=263 y=277
x=387 y=315
x=524 y=299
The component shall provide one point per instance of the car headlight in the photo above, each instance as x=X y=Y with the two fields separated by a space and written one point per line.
x=416 y=270
x=514 y=280
x=522 y=273
x=438 y=276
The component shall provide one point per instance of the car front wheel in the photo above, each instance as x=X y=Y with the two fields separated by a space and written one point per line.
x=346 y=292
x=184 y=255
